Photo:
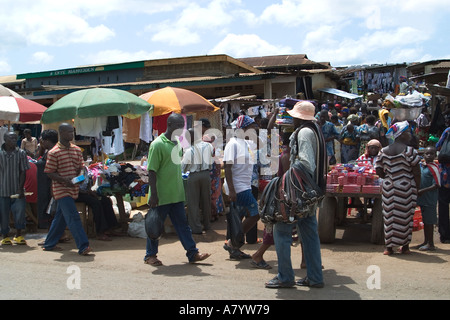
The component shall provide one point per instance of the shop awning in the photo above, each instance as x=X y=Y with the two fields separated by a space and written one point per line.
x=340 y=93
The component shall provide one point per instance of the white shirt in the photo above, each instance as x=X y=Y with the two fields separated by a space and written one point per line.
x=198 y=157
x=242 y=154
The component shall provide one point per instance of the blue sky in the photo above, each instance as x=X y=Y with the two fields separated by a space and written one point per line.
x=43 y=35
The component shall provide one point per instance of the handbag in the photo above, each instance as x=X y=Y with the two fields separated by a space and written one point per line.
x=154 y=224
x=444 y=153
x=234 y=227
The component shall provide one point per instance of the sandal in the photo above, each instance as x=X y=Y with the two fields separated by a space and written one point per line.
x=20 y=240
x=6 y=241
x=275 y=283
x=261 y=265
x=86 y=251
x=153 y=261
x=236 y=254
x=55 y=248
x=305 y=283
x=427 y=247
x=404 y=251
x=388 y=252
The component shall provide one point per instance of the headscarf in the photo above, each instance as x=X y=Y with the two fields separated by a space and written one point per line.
x=373 y=142
x=385 y=122
x=397 y=129
x=244 y=121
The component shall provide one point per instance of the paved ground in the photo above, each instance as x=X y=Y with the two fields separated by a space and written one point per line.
x=116 y=271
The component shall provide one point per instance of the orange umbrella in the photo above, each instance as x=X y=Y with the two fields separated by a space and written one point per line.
x=177 y=100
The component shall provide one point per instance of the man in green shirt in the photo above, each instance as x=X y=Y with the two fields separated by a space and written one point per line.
x=167 y=191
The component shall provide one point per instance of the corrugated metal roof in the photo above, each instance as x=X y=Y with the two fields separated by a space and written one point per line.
x=149 y=84
x=10 y=80
x=279 y=61
x=442 y=65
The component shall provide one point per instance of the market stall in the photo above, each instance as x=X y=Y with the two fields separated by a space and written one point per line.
x=94 y=112
x=351 y=181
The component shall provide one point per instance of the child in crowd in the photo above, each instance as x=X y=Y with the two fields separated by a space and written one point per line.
x=428 y=196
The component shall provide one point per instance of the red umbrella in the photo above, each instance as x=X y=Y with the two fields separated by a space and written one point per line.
x=20 y=110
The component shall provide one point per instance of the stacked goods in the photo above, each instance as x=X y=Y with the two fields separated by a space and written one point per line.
x=349 y=178
x=283 y=118
x=406 y=107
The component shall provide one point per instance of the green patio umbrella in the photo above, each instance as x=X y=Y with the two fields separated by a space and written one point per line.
x=96 y=102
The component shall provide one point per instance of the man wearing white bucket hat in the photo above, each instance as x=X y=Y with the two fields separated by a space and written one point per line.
x=307 y=151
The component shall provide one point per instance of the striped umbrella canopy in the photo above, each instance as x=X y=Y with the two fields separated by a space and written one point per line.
x=20 y=110
x=177 y=100
x=6 y=92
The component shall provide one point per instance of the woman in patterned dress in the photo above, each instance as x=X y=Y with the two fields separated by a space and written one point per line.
x=398 y=165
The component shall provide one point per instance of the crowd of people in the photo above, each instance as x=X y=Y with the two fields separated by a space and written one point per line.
x=186 y=184
x=39 y=174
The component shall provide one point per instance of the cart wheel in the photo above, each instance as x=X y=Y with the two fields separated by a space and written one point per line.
x=341 y=210
x=377 y=223
x=327 y=220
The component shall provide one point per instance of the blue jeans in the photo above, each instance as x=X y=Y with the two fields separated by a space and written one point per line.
x=17 y=207
x=66 y=215
x=177 y=215
x=307 y=228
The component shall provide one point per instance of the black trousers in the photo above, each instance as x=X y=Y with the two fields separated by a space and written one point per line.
x=104 y=216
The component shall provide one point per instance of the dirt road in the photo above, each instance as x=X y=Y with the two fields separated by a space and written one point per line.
x=354 y=269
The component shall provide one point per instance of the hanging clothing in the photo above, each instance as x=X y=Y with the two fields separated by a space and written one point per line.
x=114 y=144
x=146 y=128
x=91 y=127
x=131 y=130
x=160 y=123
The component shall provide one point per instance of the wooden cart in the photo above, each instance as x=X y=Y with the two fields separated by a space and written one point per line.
x=334 y=210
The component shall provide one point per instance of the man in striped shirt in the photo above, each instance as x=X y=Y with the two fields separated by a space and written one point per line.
x=13 y=165
x=64 y=162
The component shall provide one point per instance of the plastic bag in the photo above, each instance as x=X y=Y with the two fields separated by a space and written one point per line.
x=136 y=228
x=154 y=224
x=411 y=100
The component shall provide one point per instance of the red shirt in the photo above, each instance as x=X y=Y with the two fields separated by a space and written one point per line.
x=67 y=162
x=31 y=184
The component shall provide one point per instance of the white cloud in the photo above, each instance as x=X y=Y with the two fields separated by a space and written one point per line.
x=175 y=35
x=41 y=57
x=58 y=23
x=323 y=44
x=194 y=21
x=4 y=67
x=246 y=45
x=118 y=56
